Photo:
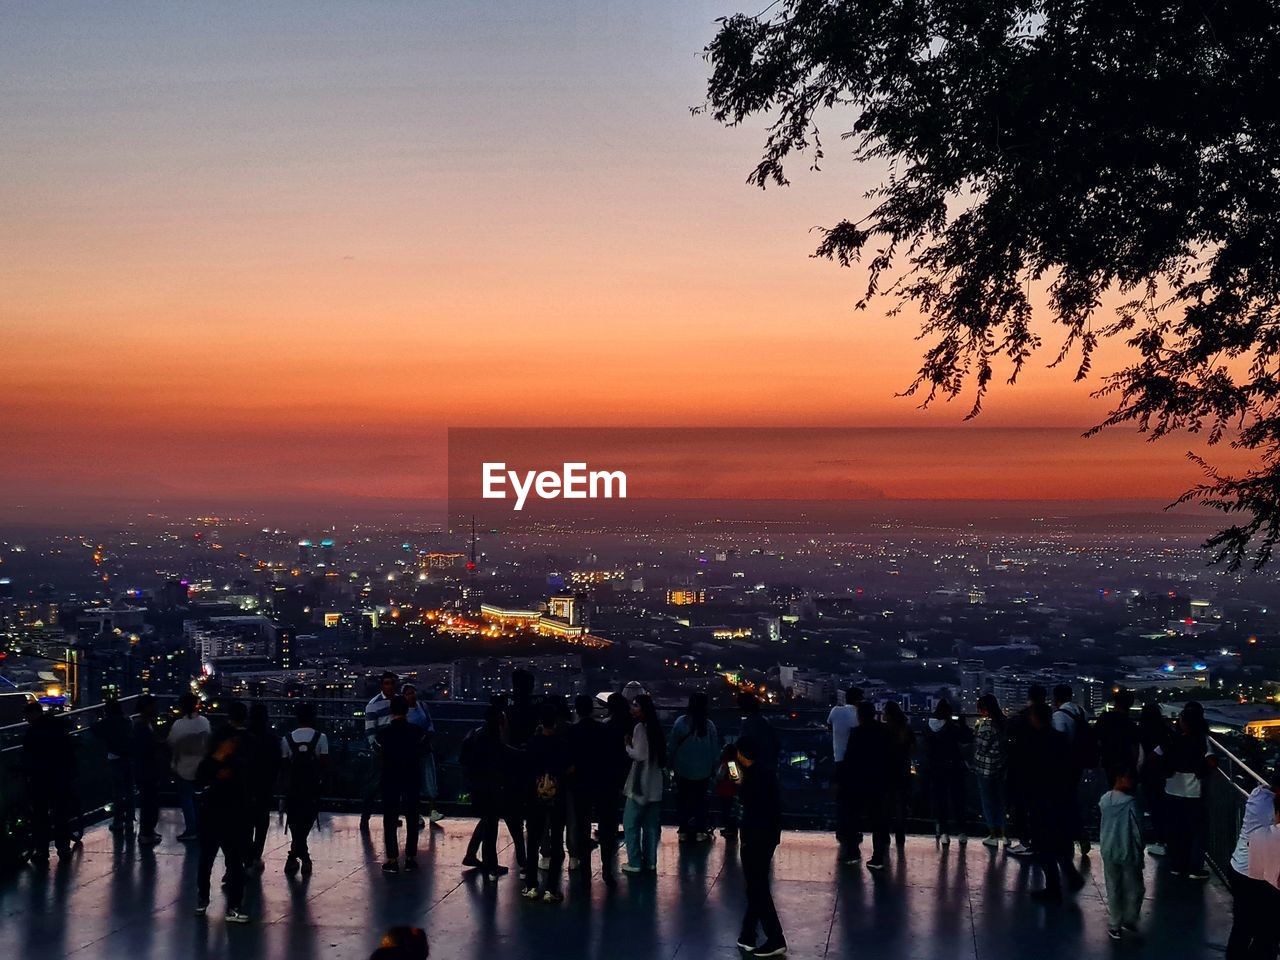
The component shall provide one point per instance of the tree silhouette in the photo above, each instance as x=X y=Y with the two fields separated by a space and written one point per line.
x=1065 y=150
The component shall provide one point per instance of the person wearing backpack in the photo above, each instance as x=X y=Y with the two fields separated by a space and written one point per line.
x=305 y=753
x=547 y=764
x=693 y=753
x=1070 y=720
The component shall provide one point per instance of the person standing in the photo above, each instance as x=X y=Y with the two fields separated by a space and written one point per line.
x=264 y=752
x=840 y=721
x=944 y=757
x=304 y=751
x=489 y=766
x=1120 y=842
x=188 y=742
x=1264 y=869
x=761 y=832
x=1188 y=762
x=1119 y=746
x=147 y=766
x=1051 y=801
x=377 y=714
x=693 y=754
x=1070 y=720
x=547 y=763
x=420 y=717
x=902 y=747
x=642 y=817
x=521 y=722
x=401 y=751
x=990 y=759
x=1250 y=898
x=115 y=733
x=868 y=770
x=615 y=767
x=225 y=775
x=586 y=741
x=1153 y=742
x=47 y=761
x=1018 y=786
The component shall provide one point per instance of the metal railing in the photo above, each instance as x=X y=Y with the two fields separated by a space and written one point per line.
x=1227 y=790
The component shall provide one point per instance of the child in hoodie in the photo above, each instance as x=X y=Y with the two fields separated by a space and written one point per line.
x=1122 y=854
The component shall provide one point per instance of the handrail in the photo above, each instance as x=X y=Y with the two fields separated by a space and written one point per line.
x=1238 y=767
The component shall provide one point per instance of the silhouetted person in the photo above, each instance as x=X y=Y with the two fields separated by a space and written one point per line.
x=1017 y=787
x=615 y=767
x=188 y=742
x=944 y=741
x=1154 y=734
x=521 y=721
x=47 y=762
x=1188 y=764
x=225 y=777
x=693 y=754
x=868 y=771
x=761 y=833
x=588 y=780
x=902 y=746
x=116 y=735
x=305 y=754
x=1051 y=801
x=841 y=721
x=264 y=770
x=1119 y=742
x=377 y=714
x=401 y=750
x=1070 y=719
x=490 y=768
x=147 y=769
x=547 y=764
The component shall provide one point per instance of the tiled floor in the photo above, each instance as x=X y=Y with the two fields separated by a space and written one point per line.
x=113 y=900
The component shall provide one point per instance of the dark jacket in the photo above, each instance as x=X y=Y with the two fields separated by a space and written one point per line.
x=868 y=766
x=759 y=731
x=115 y=735
x=588 y=743
x=548 y=756
x=1050 y=789
x=401 y=743
x=944 y=749
x=145 y=750
x=47 y=756
x=489 y=765
x=1117 y=741
x=761 y=799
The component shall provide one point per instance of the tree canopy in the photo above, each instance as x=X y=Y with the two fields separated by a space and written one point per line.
x=1058 y=153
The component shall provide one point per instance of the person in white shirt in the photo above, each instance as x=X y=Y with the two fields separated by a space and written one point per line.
x=1253 y=901
x=841 y=721
x=188 y=739
x=377 y=714
x=305 y=750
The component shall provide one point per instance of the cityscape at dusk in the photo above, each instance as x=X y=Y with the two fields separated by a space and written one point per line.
x=716 y=472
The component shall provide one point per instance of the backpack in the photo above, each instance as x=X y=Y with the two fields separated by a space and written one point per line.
x=1085 y=751
x=304 y=765
x=547 y=788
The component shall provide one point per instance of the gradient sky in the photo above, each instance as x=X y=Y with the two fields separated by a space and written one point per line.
x=276 y=249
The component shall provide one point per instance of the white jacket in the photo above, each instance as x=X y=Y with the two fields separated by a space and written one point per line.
x=644 y=782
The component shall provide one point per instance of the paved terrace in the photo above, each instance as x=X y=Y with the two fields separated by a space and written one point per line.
x=114 y=900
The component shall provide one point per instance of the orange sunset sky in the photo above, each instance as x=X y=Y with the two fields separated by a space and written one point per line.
x=275 y=250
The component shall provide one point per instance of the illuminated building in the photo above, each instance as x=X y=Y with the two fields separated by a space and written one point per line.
x=686 y=597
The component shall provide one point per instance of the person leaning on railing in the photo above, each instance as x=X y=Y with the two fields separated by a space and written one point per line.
x=1255 y=899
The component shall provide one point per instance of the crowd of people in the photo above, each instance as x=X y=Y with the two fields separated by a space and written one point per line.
x=568 y=785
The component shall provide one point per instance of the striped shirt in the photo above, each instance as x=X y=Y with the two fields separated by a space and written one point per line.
x=376 y=716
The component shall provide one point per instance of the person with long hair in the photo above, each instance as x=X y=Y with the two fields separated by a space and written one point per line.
x=1188 y=765
x=642 y=817
x=902 y=747
x=693 y=752
x=990 y=760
